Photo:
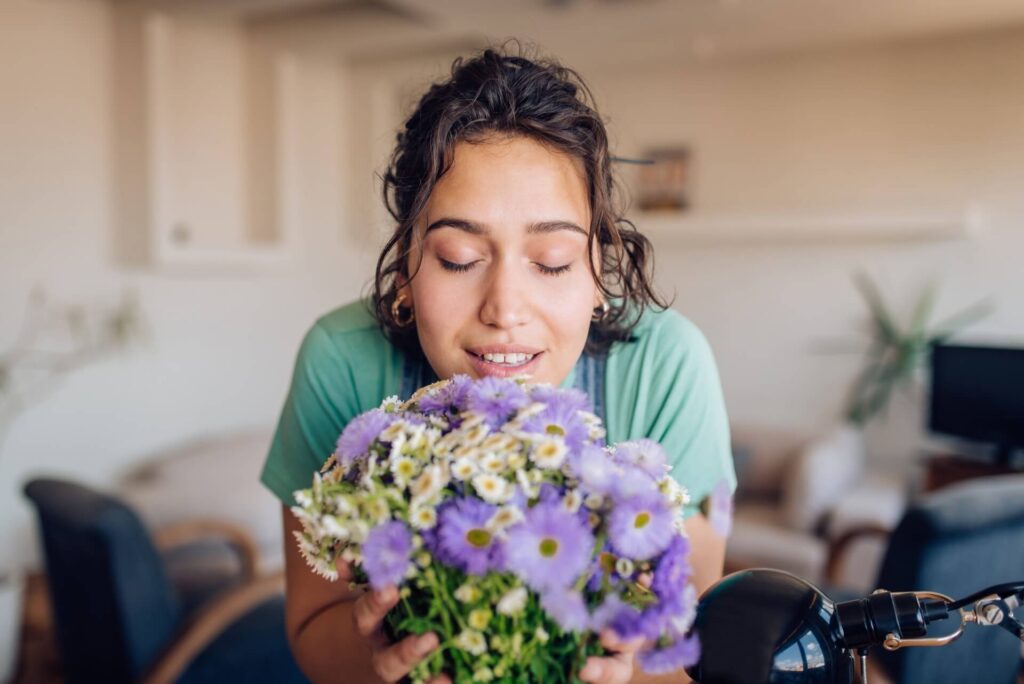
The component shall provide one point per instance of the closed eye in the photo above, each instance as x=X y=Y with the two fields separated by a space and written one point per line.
x=554 y=270
x=457 y=268
x=462 y=268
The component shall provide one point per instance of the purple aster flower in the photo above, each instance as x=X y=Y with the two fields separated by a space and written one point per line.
x=496 y=399
x=386 y=554
x=596 y=470
x=672 y=571
x=645 y=454
x=359 y=434
x=463 y=540
x=450 y=399
x=626 y=621
x=566 y=607
x=634 y=483
x=641 y=528
x=573 y=399
x=560 y=416
x=720 y=511
x=550 y=548
x=677 y=655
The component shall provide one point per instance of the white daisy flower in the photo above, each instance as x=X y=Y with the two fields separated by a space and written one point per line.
x=472 y=642
x=624 y=567
x=467 y=593
x=475 y=434
x=404 y=469
x=394 y=431
x=529 y=490
x=334 y=527
x=516 y=460
x=513 y=602
x=428 y=484
x=550 y=454
x=504 y=517
x=423 y=517
x=492 y=463
x=391 y=404
x=479 y=618
x=572 y=500
x=463 y=469
x=492 y=489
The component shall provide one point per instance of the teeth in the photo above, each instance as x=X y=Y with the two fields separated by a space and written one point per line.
x=508 y=359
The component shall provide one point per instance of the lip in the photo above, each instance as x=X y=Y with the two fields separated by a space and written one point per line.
x=486 y=368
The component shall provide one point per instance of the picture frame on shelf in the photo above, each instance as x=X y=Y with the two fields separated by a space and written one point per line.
x=664 y=184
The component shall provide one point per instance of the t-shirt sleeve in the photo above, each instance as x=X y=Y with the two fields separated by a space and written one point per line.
x=689 y=416
x=319 y=404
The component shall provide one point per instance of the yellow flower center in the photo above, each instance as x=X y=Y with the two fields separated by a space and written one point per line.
x=548 y=547
x=478 y=537
x=642 y=520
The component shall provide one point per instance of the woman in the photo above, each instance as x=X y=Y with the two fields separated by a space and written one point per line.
x=509 y=256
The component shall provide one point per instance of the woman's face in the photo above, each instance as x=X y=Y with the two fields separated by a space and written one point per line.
x=504 y=271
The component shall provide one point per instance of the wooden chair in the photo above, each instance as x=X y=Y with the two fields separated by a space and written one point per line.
x=120 y=615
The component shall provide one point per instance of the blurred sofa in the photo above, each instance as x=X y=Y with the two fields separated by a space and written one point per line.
x=798 y=494
x=215 y=478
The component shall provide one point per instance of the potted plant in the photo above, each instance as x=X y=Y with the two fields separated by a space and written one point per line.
x=896 y=353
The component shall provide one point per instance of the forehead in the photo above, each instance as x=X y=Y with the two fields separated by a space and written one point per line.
x=510 y=181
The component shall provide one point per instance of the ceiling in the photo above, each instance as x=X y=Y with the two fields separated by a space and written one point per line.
x=606 y=33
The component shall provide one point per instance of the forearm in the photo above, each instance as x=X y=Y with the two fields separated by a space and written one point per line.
x=328 y=649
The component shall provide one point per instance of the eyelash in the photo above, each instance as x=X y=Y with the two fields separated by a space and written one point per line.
x=462 y=268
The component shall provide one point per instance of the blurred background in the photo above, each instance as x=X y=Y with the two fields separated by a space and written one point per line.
x=185 y=185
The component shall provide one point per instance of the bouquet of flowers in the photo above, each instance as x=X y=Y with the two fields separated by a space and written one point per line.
x=509 y=527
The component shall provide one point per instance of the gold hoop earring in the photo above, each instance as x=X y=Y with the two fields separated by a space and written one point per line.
x=600 y=312
x=395 y=313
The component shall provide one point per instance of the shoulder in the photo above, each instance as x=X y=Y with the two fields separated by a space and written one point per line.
x=665 y=336
x=345 y=347
x=352 y=319
x=348 y=330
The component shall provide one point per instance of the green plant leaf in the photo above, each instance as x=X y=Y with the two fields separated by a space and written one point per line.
x=958 y=321
x=880 y=316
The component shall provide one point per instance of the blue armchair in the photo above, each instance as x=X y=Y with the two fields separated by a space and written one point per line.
x=125 y=612
x=955 y=541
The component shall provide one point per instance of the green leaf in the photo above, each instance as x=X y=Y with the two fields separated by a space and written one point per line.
x=881 y=318
x=958 y=321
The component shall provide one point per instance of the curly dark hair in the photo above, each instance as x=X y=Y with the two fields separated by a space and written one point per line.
x=504 y=92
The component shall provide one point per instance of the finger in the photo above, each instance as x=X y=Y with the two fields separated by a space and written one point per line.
x=611 y=641
x=396 y=661
x=607 y=670
x=344 y=570
x=371 y=608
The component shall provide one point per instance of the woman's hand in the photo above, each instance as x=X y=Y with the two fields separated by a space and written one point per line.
x=616 y=668
x=391 y=662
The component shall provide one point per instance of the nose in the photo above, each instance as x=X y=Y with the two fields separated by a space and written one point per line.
x=505 y=299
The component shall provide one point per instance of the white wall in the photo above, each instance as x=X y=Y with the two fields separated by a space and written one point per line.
x=922 y=127
x=932 y=125
x=222 y=343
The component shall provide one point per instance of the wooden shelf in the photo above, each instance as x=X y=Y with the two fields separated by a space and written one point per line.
x=721 y=229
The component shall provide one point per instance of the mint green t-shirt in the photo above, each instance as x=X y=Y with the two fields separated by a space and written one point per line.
x=663 y=385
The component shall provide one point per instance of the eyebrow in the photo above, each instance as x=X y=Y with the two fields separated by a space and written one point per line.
x=481 y=229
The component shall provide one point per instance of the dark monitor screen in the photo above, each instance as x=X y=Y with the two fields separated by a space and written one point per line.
x=977 y=393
